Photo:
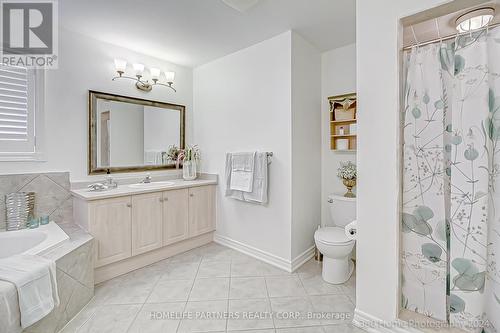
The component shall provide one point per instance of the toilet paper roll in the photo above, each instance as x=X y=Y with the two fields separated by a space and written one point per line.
x=351 y=230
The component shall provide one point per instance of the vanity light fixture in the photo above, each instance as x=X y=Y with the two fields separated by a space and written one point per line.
x=140 y=83
x=475 y=19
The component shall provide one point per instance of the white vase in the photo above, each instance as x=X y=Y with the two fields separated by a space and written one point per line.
x=189 y=170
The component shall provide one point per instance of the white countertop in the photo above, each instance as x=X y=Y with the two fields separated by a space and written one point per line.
x=125 y=189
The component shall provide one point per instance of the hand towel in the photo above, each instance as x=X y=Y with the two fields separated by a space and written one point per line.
x=242 y=171
x=35 y=281
x=260 y=181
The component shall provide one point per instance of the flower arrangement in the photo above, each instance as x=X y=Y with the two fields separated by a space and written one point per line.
x=189 y=157
x=347 y=171
x=190 y=153
x=173 y=153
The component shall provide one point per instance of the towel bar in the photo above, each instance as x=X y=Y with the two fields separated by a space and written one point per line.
x=269 y=155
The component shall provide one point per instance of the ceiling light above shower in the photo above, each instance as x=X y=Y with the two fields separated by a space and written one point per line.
x=475 y=19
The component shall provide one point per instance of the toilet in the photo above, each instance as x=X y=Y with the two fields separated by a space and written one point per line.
x=333 y=242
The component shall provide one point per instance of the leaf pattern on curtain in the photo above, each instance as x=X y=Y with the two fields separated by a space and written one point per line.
x=474 y=229
x=424 y=253
x=451 y=212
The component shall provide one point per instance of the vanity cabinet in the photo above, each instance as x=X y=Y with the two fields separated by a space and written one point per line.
x=138 y=225
x=111 y=228
x=175 y=216
x=201 y=210
x=147 y=213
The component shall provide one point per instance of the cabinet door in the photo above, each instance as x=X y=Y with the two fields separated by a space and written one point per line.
x=201 y=210
x=110 y=224
x=146 y=222
x=175 y=216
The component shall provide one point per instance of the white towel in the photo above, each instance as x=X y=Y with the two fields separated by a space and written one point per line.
x=242 y=171
x=35 y=281
x=260 y=181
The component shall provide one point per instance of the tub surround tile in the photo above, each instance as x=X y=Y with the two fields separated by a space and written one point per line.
x=75 y=285
x=49 y=195
x=53 y=196
x=80 y=265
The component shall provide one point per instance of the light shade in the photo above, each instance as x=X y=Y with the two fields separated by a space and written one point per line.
x=139 y=69
x=169 y=76
x=120 y=65
x=476 y=19
x=155 y=73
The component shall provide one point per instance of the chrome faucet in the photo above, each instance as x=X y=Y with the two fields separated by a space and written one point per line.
x=146 y=179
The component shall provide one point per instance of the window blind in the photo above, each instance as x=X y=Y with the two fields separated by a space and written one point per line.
x=17 y=132
x=13 y=104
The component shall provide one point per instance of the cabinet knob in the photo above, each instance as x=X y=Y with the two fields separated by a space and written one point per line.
x=166 y=199
x=129 y=205
x=161 y=200
x=191 y=195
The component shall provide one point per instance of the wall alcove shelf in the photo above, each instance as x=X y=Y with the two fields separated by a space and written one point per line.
x=343 y=122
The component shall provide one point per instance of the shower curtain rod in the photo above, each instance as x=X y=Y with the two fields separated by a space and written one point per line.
x=435 y=40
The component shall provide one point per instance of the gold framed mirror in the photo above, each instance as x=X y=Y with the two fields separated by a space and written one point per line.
x=128 y=134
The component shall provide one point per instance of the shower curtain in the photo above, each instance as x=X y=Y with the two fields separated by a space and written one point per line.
x=451 y=184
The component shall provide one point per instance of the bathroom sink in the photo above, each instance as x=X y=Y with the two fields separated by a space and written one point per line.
x=152 y=184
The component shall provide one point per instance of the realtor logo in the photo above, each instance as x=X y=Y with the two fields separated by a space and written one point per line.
x=29 y=33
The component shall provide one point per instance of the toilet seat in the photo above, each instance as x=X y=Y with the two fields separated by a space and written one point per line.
x=332 y=236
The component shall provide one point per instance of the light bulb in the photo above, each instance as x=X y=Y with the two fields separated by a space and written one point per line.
x=139 y=69
x=170 y=76
x=120 y=65
x=155 y=73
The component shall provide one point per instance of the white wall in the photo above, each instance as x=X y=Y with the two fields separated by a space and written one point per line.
x=338 y=77
x=306 y=144
x=243 y=103
x=85 y=63
x=378 y=27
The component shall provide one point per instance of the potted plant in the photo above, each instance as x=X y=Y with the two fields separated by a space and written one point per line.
x=189 y=158
x=347 y=172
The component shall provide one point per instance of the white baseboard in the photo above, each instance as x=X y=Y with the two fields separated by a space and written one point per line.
x=373 y=324
x=267 y=257
x=302 y=258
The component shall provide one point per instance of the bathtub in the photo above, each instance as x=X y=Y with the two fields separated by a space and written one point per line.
x=31 y=241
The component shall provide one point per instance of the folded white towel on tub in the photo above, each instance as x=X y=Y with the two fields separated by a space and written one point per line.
x=242 y=171
x=36 y=284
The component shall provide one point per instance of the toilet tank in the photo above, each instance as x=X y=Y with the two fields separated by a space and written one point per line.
x=342 y=209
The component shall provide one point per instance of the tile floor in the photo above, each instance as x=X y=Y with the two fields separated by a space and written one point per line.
x=192 y=291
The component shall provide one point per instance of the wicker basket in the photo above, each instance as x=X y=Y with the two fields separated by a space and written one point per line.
x=343 y=114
